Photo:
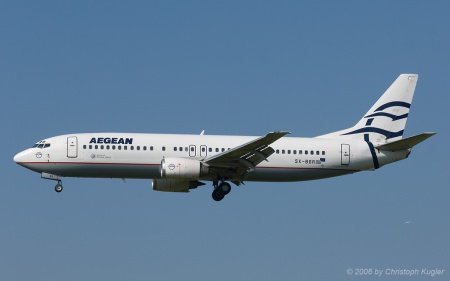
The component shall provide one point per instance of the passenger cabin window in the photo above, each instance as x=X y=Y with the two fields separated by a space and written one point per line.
x=306 y=152
x=174 y=149
x=323 y=152
x=163 y=148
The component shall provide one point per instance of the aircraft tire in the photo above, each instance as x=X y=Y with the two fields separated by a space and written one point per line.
x=225 y=188
x=218 y=195
x=58 y=188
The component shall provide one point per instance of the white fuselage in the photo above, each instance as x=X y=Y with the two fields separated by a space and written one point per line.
x=127 y=155
x=179 y=163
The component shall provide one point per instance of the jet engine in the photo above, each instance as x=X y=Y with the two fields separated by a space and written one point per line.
x=182 y=169
x=174 y=185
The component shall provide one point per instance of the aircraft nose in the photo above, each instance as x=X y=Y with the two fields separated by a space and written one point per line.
x=21 y=157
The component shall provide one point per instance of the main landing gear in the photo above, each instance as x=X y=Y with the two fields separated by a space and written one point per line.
x=220 y=190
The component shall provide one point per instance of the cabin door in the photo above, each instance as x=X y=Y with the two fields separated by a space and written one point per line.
x=345 y=154
x=72 y=147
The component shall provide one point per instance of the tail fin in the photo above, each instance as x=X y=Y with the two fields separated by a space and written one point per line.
x=386 y=120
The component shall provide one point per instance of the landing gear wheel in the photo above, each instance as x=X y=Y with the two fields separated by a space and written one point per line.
x=225 y=188
x=58 y=188
x=218 y=195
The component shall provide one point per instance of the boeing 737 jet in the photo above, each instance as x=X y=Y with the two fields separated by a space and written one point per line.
x=179 y=163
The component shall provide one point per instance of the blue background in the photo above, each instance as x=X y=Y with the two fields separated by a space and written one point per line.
x=226 y=67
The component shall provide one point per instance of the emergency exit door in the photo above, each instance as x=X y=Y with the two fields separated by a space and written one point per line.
x=192 y=150
x=72 y=147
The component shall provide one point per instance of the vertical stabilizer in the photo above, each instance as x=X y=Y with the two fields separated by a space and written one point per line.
x=386 y=120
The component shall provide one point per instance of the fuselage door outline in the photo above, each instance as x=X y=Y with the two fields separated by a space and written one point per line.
x=203 y=151
x=192 y=151
x=72 y=147
x=345 y=154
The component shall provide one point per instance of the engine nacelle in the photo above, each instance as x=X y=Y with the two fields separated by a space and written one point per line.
x=174 y=185
x=182 y=169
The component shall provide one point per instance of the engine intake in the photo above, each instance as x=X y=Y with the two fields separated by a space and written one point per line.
x=182 y=169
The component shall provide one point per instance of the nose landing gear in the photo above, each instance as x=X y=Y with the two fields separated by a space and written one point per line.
x=58 y=187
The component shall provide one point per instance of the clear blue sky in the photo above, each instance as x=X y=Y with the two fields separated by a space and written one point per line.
x=226 y=67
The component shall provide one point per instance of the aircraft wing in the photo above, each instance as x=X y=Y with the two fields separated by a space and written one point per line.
x=245 y=157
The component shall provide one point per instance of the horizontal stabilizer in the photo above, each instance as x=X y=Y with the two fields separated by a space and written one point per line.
x=405 y=144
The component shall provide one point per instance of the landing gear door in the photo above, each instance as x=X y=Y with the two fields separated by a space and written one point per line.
x=345 y=154
x=72 y=147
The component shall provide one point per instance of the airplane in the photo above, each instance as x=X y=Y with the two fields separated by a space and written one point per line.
x=179 y=163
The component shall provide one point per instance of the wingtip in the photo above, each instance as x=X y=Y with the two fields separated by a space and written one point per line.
x=429 y=134
x=281 y=132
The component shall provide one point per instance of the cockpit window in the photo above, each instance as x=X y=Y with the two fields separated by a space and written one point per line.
x=41 y=145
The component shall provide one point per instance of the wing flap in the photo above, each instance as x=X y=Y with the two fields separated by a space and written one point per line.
x=257 y=156
x=246 y=156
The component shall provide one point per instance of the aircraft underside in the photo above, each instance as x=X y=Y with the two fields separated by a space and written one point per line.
x=153 y=171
